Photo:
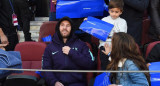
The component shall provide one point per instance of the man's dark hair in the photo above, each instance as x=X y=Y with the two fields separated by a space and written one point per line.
x=116 y=4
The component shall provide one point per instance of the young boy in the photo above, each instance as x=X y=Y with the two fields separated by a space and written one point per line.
x=115 y=10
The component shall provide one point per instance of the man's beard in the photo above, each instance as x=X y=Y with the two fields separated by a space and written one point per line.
x=65 y=36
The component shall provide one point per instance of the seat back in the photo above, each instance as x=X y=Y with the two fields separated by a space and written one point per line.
x=145 y=31
x=31 y=55
x=89 y=75
x=47 y=28
x=95 y=40
x=98 y=61
x=150 y=46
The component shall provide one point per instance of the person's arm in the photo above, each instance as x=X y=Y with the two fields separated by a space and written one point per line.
x=155 y=16
x=138 y=79
x=139 y=5
x=84 y=58
x=3 y=37
x=48 y=64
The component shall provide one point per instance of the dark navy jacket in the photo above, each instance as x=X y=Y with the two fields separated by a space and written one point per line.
x=79 y=58
x=133 y=11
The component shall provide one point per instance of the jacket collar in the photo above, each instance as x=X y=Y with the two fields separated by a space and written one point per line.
x=121 y=62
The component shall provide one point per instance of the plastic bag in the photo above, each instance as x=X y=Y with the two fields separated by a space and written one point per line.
x=98 y=28
x=79 y=8
x=155 y=77
x=102 y=80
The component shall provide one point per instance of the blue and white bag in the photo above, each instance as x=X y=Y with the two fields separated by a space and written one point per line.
x=79 y=8
x=98 y=28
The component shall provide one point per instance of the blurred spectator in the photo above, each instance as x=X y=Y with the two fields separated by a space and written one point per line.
x=133 y=14
x=52 y=14
x=42 y=8
x=154 y=10
x=125 y=56
x=24 y=17
x=9 y=35
x=66 y=52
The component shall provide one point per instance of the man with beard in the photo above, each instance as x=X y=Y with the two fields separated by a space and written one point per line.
x=66 y=52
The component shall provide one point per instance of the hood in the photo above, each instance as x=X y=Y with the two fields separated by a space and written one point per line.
x=58 y=25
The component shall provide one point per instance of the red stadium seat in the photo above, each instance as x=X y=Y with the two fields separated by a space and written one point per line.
x=89 y=75
x=145 y=31
x=31 y=55
x=150 y=46
x=47 y=28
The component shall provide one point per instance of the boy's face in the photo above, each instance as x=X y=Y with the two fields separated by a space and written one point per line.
x=115 y=12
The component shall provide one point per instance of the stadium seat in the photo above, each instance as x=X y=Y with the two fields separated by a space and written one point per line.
x=47 y=28
x=31 y=55
x=89 y=75
x=150 y=46
x=98 y=61
x=145 y=31
x=95 y=40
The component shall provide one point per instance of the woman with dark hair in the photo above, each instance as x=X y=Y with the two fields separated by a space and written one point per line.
x=125 y=56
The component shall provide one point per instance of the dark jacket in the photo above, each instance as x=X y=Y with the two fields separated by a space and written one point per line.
x=79 y=58
x=154 y=10
x=133 y=14
x=6 y=17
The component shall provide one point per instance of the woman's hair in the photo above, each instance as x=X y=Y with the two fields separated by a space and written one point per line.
x=124 y=46
x=116 y=4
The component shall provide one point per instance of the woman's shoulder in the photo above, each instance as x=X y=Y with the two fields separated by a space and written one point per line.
x=130 y=65
x=129 y=62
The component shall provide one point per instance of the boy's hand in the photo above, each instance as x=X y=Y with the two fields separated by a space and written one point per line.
x=54 y=1
x=84 y=19
x=148 y=64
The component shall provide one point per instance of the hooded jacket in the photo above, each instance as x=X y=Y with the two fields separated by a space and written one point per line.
x=79 y=58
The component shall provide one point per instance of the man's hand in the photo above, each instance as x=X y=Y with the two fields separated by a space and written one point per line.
x=58 y=84
x=4 y=39
x=66 y=49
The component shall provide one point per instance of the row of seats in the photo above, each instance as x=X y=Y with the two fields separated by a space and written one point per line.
x=31 y=52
